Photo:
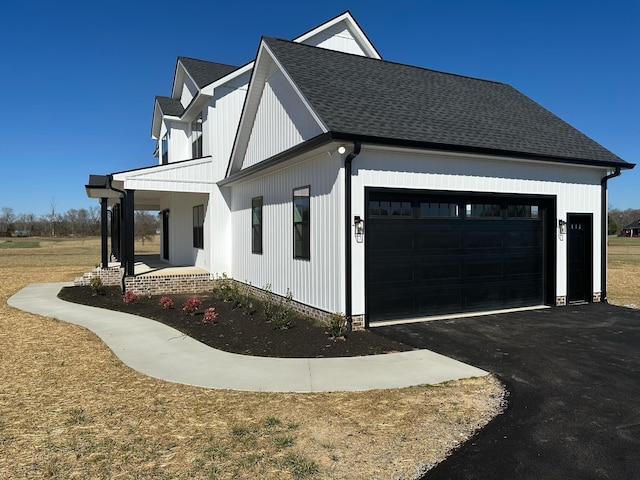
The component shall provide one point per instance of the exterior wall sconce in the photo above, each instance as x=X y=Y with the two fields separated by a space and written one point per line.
x=562 y=227
x=358 y=224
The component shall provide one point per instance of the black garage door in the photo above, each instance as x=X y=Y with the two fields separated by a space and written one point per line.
x=432 y=254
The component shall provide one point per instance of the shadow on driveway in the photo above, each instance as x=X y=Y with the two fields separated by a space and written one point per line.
x=573 y=375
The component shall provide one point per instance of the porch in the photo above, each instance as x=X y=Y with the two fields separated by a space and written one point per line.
x=151 y=276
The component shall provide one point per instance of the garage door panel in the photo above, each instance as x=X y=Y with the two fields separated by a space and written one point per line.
x=524 y=293
x=523 y=266
x=393 y=272
x=483 y=296
x=440 y=301
x=440 y=270
x=443 y=238
x=484 y=269
x=392 y=240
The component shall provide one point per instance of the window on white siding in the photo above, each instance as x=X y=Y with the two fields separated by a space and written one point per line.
x=301 y=223
x=198 y=226
x=256 y=225
x=196 y=137
x=165 y=149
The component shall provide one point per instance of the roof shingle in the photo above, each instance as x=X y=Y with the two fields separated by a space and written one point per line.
x=373 y=98
x=204 y=72
x=170 y=106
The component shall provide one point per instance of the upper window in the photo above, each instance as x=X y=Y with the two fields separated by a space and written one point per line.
x=256 y=225
x=196 y=137
x=165 y=149
x=198 y=226
x=301 y=223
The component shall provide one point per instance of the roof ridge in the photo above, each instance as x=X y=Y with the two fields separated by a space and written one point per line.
x=390 y=62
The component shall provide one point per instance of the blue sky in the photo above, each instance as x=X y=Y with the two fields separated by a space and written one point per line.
x=79 y=77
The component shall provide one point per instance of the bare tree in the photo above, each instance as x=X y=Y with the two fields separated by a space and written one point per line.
x=7 y=218
x=146 y=225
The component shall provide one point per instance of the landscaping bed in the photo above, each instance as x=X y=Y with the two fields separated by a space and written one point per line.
x=236 y=331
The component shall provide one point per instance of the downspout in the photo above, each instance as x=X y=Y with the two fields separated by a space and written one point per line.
x=604 y=234
x=348 y=284
x=123 y=251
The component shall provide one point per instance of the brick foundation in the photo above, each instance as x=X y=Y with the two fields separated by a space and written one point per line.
x=168 y=284
x=561 y=301
x=111 y=277
x=597 y=297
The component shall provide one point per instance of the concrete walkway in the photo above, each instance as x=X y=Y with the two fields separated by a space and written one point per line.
x=160 y=351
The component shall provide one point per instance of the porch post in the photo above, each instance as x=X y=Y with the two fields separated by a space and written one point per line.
x=115 y=231
x=130 y=232
x=103 y=231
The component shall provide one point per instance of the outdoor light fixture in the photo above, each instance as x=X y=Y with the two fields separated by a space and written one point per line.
x=358 y=225
x=342 y=149
x=562 y=225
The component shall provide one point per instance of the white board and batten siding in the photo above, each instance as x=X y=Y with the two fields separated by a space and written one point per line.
x=181 y=250
x=337 y=37
x=293 y=125
x=577 y=190
x=193 y=177
x=317 y=282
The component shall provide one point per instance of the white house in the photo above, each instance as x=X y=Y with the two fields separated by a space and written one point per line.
x=380 y=190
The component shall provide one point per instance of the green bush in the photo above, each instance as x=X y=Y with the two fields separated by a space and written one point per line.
x=338 y=326
x=96 y=286
x=282 y=317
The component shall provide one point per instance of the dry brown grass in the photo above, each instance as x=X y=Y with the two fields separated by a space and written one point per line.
x=624 y=271
x=71 y=409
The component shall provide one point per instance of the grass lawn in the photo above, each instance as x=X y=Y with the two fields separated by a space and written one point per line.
x=71 y=409
x=624 y=271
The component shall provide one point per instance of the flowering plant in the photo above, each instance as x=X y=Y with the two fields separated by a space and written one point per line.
x=192 y=305
x=166 y=302
x=210 y=316
x=130 y=297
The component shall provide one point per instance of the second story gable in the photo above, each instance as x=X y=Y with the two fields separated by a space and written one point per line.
x=201 y=117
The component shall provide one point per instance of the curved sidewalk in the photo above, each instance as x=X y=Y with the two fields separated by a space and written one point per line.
x=160 y=351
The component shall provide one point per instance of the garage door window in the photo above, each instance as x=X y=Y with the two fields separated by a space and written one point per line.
x=383 y=209
x=483 y=210
x=439 y=210
x=523 y=211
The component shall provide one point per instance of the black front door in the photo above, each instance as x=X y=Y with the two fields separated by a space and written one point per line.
x=165 y=234
x=579 y=257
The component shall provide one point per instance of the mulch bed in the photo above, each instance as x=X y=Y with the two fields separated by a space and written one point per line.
x=237 y=332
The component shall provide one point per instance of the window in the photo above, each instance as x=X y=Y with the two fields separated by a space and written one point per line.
x=198 y=226
x=165 y=149
x=483 y=210
x=439 y=210
x=256 y=225
x=389 y=209
x=196 y=137
x=522 y=211
x=301 y=226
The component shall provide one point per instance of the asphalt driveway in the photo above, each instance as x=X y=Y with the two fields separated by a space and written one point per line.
x=573 y=375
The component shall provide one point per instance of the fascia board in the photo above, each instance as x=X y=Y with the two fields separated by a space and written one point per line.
x=127 y=174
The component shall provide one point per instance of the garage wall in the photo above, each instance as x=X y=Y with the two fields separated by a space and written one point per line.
x=577 y=190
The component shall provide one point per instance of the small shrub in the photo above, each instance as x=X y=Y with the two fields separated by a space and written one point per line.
x=338 y=326
x=166 y=302
x=191 y=305
x=229 y=291
x=96 y=286
x=130 y=297
x=269 y=303
x=210 y=316
x=283 y=315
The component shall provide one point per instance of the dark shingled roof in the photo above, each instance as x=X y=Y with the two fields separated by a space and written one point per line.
x=635 y=224
x=394 y=103
x=170 y=106
x=205 y=73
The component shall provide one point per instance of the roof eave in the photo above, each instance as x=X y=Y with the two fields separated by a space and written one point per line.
x=478 y=150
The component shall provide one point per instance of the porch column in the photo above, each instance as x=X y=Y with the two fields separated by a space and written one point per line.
x=130 y=232
x=115 y=231
x=103 y=231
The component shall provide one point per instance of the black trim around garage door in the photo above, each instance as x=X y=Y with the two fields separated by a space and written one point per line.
x=435 y=253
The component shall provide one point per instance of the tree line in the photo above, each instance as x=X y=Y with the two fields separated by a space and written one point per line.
x=82 y=222
x=618 y=219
